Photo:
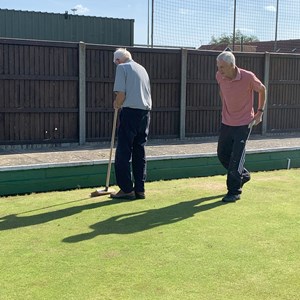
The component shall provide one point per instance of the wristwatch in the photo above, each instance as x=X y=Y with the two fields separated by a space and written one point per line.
x=261 y=109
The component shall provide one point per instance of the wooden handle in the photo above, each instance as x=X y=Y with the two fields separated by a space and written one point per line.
x=111 y=148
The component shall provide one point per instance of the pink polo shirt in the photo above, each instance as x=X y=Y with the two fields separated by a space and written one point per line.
x=237 y=97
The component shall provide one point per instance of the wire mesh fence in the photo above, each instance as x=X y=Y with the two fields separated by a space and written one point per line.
x=198 y=23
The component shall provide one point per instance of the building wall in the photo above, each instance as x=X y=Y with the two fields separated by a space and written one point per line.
x=66 y=27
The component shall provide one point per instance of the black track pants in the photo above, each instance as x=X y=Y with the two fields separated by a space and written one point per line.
x=231 y=153
x=132 y=137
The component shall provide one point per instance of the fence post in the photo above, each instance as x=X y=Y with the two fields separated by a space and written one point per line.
x=266 y=83
x=82 y=93
x=183 y=92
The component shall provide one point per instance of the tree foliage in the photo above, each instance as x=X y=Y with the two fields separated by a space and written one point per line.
x=240 y=38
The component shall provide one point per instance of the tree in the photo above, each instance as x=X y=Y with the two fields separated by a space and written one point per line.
x=228 y=39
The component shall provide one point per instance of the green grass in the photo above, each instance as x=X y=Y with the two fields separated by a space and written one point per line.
x=181 y=242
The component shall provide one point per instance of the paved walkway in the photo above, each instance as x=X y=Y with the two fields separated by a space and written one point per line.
x=155 y=149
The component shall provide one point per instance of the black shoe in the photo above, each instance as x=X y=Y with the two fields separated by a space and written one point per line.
x=231 y=198
x=140 y=195
x=121 y=195
x=245 y=180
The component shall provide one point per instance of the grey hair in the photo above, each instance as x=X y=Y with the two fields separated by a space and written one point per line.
x=227 y=56
x=122 y=53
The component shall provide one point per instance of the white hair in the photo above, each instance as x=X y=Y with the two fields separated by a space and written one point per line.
x=227 y=56
x=122 y=53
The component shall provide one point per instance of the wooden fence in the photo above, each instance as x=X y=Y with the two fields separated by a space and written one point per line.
x=54 y=92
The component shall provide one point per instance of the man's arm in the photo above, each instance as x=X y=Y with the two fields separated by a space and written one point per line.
x=261 y=105
x=119 y=100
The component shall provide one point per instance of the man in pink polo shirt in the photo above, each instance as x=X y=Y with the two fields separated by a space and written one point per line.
x=237 y=87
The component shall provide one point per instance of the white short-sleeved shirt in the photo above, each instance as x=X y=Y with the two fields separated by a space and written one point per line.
x=132 y=79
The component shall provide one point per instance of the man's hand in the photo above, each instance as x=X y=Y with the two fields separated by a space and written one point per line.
x=120 y=98
x=116 y=105
x=257 y=118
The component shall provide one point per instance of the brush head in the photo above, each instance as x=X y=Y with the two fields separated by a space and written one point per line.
x=98 y=193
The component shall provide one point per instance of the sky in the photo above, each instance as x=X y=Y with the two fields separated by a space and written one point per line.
x=190 y=23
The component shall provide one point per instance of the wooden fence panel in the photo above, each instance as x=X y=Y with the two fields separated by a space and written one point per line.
x=100 y=72
x=203 y=106
x=164 y=68
x=39 y=92
x=284 y=93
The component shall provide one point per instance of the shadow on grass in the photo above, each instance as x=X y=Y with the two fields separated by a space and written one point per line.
x=16 y=221
x=147 y=219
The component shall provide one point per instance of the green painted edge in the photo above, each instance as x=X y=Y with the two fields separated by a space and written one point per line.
x=71 y=176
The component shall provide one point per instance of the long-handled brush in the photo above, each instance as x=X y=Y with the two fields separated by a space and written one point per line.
x=107 y=189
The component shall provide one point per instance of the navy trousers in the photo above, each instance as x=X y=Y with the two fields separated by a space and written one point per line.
x=130 y=152
x=231 y=154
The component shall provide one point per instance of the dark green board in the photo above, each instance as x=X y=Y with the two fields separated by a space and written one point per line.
x=72 y=176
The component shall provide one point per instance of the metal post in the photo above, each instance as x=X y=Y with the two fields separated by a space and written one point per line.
x=266 y=83
x=152 y=18
x=148 y=25
x=234 y=20
x=276 y=26
x=82 y=91
x=242 y=43
x=183 y=93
